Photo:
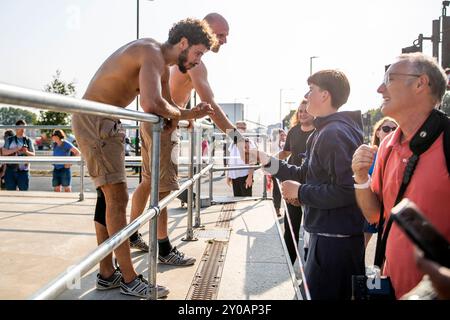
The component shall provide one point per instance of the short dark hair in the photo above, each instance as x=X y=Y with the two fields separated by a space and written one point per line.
x=59 y=133
x=335 y=82
x=21 y=122
x=195 y=31
x=8 y=133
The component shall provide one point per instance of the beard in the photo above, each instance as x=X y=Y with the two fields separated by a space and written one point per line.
x=182 y=59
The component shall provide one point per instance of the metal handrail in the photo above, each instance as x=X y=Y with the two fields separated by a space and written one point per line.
x=245 y=134
x=32 y=98
x=237 y=168
x=52 y=126
x=60 y=159
x=44 y=100
x=64 y=280
x=299 y=258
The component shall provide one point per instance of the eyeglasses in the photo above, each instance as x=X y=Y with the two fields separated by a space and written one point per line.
x=387 y=77
x=387 y=129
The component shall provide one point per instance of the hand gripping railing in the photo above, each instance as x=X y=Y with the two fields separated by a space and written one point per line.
x=32 y=98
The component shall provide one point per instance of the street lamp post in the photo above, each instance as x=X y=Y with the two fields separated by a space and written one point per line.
x=310 y=63
x=281 y=105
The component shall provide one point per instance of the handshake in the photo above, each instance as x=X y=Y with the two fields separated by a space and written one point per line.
x=250 y=154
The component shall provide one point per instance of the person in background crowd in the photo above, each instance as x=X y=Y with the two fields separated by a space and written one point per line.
x=241 y=180
x=62 y=174
x=18 y=175
x=8 y=133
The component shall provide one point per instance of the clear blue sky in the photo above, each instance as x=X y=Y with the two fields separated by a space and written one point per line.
x=268 y=48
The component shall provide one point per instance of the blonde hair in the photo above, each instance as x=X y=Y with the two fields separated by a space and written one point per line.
x=294 y=118
x=375 y=141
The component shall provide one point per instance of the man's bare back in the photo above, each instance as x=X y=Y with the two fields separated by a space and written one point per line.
x=116 y=82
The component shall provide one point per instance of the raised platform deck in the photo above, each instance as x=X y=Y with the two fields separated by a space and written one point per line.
x=42 y=234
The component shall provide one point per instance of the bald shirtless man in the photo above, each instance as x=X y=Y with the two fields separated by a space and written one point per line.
x=139 y=67
x=181 y=84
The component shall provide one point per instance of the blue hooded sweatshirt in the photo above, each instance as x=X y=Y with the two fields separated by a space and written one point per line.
x=326 y=175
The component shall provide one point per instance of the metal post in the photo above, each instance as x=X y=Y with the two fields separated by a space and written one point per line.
x=153 y=225
x=82 y=180
x=265 y=177
x=211 y=172
x=211 y=177
x=190 y=232
x=198 y=182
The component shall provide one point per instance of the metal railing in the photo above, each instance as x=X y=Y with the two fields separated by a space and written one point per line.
x=43 y=100
x=304 y=283
x=53 y=160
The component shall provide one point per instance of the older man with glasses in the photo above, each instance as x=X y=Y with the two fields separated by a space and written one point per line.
x=412 y=88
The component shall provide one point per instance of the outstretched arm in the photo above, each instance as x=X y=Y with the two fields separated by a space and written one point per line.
x=151 y=91
x=199 y=77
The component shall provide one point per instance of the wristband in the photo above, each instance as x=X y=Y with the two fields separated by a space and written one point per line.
x=365 y=185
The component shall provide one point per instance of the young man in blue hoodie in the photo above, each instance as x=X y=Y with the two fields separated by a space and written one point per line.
x=324 y=185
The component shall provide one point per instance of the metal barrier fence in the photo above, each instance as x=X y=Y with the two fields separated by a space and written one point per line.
x=304 y=283
x=43 y=100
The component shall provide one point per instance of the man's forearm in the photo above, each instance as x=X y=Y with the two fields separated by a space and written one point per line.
x=369 y=204
x=220 y=119
x=186 y=114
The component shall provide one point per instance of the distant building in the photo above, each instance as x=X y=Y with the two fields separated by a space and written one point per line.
x=234 y=111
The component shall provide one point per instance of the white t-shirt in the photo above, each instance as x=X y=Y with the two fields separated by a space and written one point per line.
x=235 y=160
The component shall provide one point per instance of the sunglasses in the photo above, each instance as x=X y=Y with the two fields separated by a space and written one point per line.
x=387 y=129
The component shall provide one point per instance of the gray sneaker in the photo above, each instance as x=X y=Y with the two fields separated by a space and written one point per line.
x=139 y=244
x=139 y=288
x=110 y=283
x=176 y=258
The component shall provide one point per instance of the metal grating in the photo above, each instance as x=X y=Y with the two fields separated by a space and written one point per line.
x=205 y=285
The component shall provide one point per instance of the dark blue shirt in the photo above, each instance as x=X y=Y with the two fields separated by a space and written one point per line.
x=62 y=150
x=327 y=184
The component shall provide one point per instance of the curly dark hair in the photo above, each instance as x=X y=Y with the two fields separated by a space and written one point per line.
x=195 y=31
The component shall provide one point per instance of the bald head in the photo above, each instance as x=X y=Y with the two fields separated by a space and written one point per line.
x=219 y=26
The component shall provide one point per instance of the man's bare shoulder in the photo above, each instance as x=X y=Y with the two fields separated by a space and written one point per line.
x=148 y=50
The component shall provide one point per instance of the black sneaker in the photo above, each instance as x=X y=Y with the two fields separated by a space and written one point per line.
x=110 y=283
x=139 y=244
x=176 y=258
x=139 y=288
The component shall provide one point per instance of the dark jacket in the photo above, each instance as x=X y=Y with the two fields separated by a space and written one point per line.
x=327 y=184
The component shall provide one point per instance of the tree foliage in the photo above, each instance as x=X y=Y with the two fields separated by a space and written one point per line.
x=9 y=115
x=60 y=87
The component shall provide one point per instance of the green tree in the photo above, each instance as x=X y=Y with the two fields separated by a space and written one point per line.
x=369 y=119
x=10 y=115
x=60 y=87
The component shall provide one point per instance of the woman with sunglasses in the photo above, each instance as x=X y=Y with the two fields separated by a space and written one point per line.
x=381 y=130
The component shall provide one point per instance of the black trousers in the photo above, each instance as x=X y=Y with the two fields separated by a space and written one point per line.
x=330 y=265
x=276 y=194
x=295 y=215
x=239 y=189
